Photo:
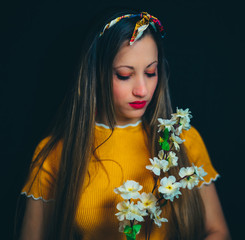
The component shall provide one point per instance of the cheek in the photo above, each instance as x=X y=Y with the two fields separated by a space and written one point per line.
x=116 y=92
x=153 y=86
x=119 y=91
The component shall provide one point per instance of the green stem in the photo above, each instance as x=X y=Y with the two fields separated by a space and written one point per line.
x=172 y=146
x=155 y=185
x=185 y=177
x=131 y=223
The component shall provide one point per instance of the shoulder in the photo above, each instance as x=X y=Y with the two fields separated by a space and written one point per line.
x=191 y=135
x=47 y=154
x=53 y=148
x=44 y=169
x=198 y=154
x=195 y=147
x=194 y=143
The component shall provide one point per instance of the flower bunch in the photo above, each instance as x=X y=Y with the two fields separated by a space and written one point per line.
x=131 y=211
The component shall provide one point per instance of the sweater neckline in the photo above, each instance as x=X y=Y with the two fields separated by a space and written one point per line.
x=119 y=126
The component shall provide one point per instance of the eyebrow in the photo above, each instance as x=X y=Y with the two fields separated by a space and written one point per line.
x=130 y=67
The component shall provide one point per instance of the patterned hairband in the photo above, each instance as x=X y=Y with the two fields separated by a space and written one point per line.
x=140 y=26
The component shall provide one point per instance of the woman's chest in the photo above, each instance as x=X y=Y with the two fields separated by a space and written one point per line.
x=113 y=163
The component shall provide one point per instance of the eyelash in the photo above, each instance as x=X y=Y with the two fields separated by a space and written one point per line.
x=122 y=77
x=151 y=74
x=127 y=77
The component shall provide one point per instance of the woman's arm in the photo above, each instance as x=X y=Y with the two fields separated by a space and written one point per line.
x=36 y=220
x=216 y=226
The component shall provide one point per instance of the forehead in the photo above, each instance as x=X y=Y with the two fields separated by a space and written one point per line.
x=142 y=52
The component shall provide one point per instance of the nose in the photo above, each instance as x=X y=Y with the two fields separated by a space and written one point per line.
x=140 y=87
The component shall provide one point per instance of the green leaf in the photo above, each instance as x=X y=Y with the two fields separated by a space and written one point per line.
x=136 y=228
x=166 y=134
x=131 y=232
x=130 y=238
x=128 y=230
x=165 y=146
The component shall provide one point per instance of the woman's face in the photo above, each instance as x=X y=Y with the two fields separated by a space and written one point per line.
x=134 y=79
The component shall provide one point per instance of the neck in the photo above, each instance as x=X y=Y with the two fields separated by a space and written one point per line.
x=122 y=123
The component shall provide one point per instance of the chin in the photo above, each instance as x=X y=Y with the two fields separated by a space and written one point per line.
x=136 y=117
x=131 y=116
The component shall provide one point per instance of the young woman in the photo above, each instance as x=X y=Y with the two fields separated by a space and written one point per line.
x=107 y=137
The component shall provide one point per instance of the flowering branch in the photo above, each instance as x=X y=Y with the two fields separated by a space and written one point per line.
x=130 y=212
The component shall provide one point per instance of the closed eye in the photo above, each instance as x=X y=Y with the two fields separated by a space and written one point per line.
x=150 y=74
x=122 y=77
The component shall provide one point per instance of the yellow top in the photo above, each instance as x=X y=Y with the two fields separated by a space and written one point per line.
x=124 y=156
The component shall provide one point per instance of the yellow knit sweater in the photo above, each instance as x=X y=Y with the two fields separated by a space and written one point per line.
x=123 y=157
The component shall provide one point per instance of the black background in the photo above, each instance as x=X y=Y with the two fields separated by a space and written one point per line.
x=204 y=44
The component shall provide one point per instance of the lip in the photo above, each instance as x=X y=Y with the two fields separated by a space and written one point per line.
x=137 y=104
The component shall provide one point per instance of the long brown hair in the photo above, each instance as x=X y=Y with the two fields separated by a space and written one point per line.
x=91 y=95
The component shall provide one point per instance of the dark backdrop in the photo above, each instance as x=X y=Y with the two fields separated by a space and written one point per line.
x=40 y=48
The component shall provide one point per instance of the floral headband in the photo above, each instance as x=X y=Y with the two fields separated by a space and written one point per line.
x=140 y=26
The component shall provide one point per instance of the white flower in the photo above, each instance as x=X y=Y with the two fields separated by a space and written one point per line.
x=147 y=201
x=172 y=159
x=124 y=208
x=190 y=179
x=124 y=223
x=161 y=154
x=178 y=130
x=129 y=190
x=130 y=211
x=169 y=188
x=182 y=113
x=176 y=141
x=199 y=172
x=185 y=123
x=166 y=123
x=186 y=171
x=156 y=217
x=157 y=165
x=165 y=165
x=136 y=213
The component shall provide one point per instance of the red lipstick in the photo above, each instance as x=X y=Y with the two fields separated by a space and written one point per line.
x=138 y=104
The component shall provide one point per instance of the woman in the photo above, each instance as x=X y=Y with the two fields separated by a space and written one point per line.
x=107 y=137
